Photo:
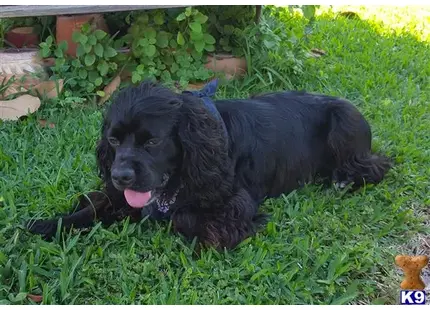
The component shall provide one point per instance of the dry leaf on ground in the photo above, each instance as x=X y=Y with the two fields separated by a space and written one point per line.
x=14 y=109
x=35 y=298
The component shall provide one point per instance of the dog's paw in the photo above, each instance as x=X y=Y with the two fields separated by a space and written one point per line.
x=340 y=185
x=45 y=228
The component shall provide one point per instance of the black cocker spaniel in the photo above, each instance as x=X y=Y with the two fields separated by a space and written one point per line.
x=207 y=166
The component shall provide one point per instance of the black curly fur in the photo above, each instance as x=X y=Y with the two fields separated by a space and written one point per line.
x=274 y=143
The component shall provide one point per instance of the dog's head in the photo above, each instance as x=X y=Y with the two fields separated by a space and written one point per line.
x=151 y=133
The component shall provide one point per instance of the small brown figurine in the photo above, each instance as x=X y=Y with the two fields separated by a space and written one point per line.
x=412 y=266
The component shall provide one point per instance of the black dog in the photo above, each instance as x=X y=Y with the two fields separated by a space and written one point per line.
x=208 y=166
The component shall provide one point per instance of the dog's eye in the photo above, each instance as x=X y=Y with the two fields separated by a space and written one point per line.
x=113 y=141
x=152 y=142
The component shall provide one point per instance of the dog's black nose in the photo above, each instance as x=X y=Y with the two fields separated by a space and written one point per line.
x=123 y=177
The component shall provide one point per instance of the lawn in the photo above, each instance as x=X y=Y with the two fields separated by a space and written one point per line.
x=322 y=246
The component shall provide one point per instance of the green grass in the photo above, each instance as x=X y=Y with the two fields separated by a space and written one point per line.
x=322 y=246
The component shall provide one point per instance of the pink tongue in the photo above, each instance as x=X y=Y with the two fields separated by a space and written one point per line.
x=136 y=199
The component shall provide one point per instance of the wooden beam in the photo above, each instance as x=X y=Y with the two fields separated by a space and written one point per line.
x=44 y=10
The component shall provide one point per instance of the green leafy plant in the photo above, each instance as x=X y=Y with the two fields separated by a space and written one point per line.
x=226 y=24
x=172 y=50
x=95 y=58
x=274 y=51
x=172 y=45
x=94 y=66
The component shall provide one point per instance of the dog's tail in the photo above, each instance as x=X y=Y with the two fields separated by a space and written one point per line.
x=349 y=140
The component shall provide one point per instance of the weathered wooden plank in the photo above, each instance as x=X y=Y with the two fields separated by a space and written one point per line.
x=44 y=10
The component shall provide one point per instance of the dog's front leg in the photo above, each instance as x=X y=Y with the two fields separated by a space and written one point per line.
x=81 y=219
x=219 y=227
x=90 y=208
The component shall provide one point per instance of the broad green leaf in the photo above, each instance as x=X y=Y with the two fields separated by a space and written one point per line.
x=147 y=61
x=140 y=68
x=92 y=40
x=87 y=48
x=103 y=68
x=173 y=43
x=93 y=75
x=181 y=17
x=196 y=55
x=98 y=81
x=100 y=34
x=100 y=93
x=110 y=52
x=162 y=39
x=150 y=32
x=210 y=47
x=196 y=36
x=196 y=27
x=83 y=73
x=199 y=45
x=143 y=42
x=165 y=76
x=200 y=18
x=89 y=59
x=90 y=87
x=167 y=59
x=98 y=50
x=209 y=39
x=174 y=67
x=135 y=77
x=180 y=39
x=45 y=51
x=49 y=40
x=83 y=39
x=76 y=63
x=159 y=18
x=80 y=51
x=150 y=50
x=58 y=53
x=76 y=36
x=143 y=19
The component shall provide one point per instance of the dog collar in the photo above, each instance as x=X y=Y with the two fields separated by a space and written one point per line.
x=205 y=94
x=164 y=203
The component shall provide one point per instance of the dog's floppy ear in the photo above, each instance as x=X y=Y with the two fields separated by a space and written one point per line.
x=206 y=166
x=104 y=153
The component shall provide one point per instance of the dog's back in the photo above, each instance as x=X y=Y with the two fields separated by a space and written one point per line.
x=282 y=140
